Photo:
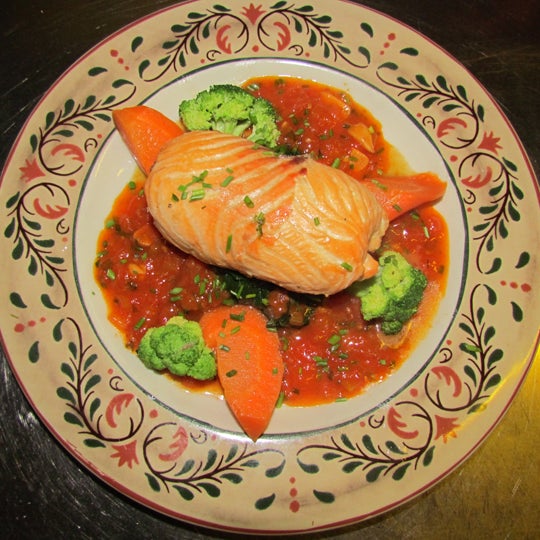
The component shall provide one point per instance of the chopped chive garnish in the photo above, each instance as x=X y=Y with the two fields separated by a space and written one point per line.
x=111 y=274
x=396 y=207
x=336 y=163
x=379 y=185
x=235 y=330
x=229 y=244
x=201 y=177
x=139 y=323
x=334 y=339
x=340 y=399
x=202 y=286
x=227 y=180
x=231 y=373
x=347 y=266
x=426 y=231
x=197 y=194
x=275 y=371
x=174 y=197
x=238 y=316
x=176 y=290
x=280 y=400
x=259 y=220
x=110 y=223
x=224 y=348
x=317 y=221
x=320 y=361
x=132 y=185
x=248 y=202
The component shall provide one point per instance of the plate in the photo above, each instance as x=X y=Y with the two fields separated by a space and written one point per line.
x=180 y=453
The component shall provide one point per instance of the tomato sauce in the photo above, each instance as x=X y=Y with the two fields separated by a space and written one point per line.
x=319 y=120
x=145 y=281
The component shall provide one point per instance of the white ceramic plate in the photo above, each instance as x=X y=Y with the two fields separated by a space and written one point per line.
x=181 y=453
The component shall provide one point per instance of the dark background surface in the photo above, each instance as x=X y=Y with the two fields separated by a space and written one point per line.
x=45 y=493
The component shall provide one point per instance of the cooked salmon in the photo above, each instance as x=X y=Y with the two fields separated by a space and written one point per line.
x=289 y=220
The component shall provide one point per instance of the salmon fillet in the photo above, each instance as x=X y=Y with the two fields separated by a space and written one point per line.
x=289 y=220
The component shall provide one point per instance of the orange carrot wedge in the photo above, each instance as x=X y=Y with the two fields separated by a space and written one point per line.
x=249 y=363
x=400 y=194
x=145 y=131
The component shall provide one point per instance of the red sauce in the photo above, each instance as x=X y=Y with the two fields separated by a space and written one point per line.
x=316 y=119
x=338 y=354
x=145 y=281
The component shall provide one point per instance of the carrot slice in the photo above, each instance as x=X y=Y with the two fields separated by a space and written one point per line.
x=399 y=194
x=249 y=363
x=145 y=131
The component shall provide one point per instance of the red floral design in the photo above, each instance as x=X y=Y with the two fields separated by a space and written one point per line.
x=49 y=212
x=445 y=427
x=177 y=447
x=398 y=426
x=253 y=12
x=448 y=125
x=491 y=143
x=449 y=376
x=283 y=36
x=479 y=180
x=71 y=151
x=31 y=170
x=126 y=454
x=115 y=407
x=222 y=39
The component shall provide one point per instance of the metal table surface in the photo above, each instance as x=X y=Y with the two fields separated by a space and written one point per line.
x=495 y=494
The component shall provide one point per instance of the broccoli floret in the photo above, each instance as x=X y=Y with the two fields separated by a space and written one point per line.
x=393 y=294
x=179 y=347
x=231 y=109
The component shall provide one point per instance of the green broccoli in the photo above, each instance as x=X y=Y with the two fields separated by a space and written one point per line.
x=179 y=347
x=231 y=109
x=393 y=294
